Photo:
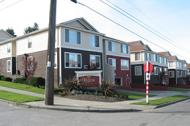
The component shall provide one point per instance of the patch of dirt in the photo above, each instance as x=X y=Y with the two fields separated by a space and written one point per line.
x=89 y=97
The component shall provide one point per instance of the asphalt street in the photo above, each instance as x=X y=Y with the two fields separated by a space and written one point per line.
x=173 y=115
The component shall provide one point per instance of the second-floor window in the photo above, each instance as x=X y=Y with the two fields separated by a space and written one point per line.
x=95 y=62
x=111 y=46
x=112 y=61
x=124 y=48
x=73 y=60
x=124 y=64
x=137 y=56
x=72 y=36
x=8 y=49
x=94 y=41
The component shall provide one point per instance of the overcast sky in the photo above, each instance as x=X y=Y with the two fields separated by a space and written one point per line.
x=170 y=17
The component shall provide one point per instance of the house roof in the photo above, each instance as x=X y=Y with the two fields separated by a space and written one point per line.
x=4 y=35
x=80 y=22
x=173 y=58
x=188 y=66
x=137 y=46
x=167 y=54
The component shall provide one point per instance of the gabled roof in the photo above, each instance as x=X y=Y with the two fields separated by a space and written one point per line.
x=172 y=58
x=80 y=23
x=188 y=66
x=137 y=46
x=167 y=54
x=4 y=35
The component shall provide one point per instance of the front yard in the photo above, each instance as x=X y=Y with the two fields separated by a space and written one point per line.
x=18 y=98
x=22 y=87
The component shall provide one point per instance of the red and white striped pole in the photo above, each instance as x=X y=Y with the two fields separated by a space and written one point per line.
x=147 y=81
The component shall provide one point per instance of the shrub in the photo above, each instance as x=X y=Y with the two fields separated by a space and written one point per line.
x=8 y=79
x=108 y=90
x=2 y=77
x=39 y=82
x=20 y=80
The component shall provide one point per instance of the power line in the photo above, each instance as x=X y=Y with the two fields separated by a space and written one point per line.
x=10 y=5
x=142 y=24
x=125 y=27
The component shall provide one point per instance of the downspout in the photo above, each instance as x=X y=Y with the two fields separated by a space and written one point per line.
x=60 y=58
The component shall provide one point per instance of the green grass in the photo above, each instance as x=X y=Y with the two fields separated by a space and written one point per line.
x=22 y=87
x=164 y=100
x=133 y=95
x=18 y=98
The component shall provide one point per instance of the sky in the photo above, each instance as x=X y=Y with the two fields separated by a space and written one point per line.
x=169 y=17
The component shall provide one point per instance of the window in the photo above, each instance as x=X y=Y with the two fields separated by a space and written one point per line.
x=8 y=65
x=94 y=41
x=73 y=60
x=171 y=64
x=124 y=64
x=95 y=62
x=112 y=61
x=146 y=56
x=137 y=56
x=156 y=70
x=111 y=46
x=171 y=74
x=118 y=81
x=124 y=48
x=29 y=44
x=138 y=70
x=72 y=36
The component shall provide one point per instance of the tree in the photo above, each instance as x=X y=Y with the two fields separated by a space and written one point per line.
x=11 y=31
x=29 y=65
x=31 y=29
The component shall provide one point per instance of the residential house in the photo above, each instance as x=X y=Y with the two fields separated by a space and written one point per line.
x=81 y=52
x=117 y=54
x=140 y=54
x=177 y=69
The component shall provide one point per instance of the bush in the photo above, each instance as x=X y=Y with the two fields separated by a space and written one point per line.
x=2 y=77
x=8 y=79
x=39 y=82
x=108 y=90
x=20 y=80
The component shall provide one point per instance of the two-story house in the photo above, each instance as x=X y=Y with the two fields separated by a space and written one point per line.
x=117 y=55
x=140 y=54
x=80 y=51
x=177 y=69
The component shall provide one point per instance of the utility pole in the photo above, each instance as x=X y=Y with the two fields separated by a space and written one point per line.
x=49 y=86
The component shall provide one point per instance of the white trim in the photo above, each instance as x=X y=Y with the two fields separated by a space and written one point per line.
x=72 y=53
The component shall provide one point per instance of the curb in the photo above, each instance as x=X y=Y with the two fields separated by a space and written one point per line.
x=167 y=104
x=74 y=108
x=84 y=109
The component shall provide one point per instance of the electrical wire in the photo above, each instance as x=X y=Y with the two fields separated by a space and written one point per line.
x=142 y=24
x=10 y=5
x=126 y=28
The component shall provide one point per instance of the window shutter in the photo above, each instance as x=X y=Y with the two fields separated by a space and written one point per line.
x=66 y=35
x=78 y=38
x=97 y=41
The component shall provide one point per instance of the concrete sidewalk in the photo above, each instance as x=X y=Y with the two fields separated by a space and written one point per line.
x=66 y=104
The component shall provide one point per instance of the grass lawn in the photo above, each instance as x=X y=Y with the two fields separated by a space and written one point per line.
x=22 y=87
x=165 y=100
x=134 y=95
x=18 y=98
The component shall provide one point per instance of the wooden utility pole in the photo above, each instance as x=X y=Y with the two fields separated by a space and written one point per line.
x=49 y=86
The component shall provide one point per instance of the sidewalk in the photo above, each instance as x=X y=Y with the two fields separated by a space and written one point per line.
x=66 y=104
